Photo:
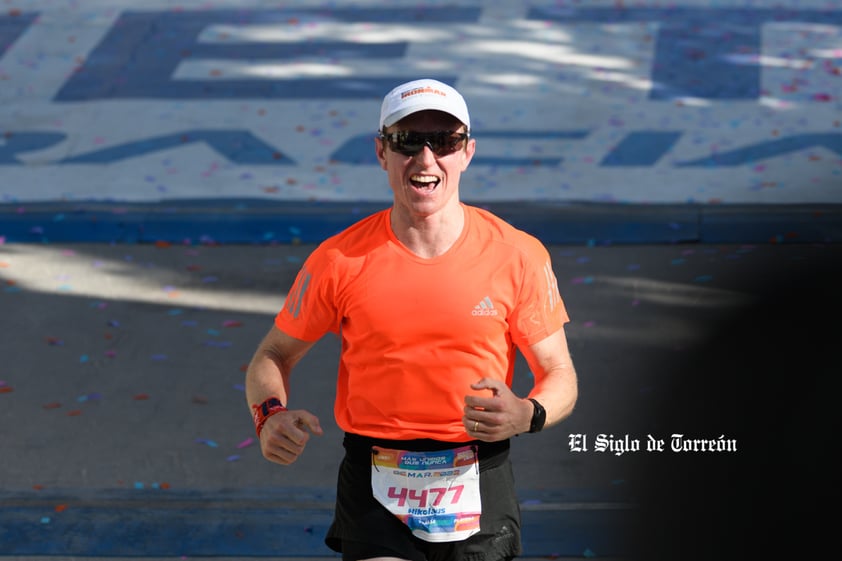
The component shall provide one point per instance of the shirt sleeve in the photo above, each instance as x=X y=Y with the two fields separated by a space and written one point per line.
x=540 y=311
x=310 y=309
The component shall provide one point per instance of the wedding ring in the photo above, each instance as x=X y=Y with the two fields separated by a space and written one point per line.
x=476 y=425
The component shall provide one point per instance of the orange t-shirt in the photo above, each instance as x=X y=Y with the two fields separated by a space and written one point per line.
x=416 y=333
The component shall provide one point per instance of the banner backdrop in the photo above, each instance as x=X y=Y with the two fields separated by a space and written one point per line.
x=710 y=102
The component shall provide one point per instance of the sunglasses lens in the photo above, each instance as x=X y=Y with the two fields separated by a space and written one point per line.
x=410 y=143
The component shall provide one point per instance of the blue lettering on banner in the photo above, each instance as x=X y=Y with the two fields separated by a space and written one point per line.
x=14 y=143
x=770 y=149
x=11 y=28
x=239 y=146
x=693 y=56
x=638 y=148
x=694 y=46
x=137 y=57
x=642 y=148
x=527 y=136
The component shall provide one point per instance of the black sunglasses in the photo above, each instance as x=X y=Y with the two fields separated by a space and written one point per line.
x=409 y=143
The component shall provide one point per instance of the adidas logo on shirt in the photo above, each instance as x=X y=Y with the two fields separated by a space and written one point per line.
x=484 y=308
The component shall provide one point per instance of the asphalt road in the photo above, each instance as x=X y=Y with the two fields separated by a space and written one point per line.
x=122 y=408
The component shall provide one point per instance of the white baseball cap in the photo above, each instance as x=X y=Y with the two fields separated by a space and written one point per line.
x=421 y=95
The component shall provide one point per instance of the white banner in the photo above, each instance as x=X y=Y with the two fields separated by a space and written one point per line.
x=601 y=101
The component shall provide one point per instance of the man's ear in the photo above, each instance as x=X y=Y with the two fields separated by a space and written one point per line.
x=469 y=152
x=380 y=151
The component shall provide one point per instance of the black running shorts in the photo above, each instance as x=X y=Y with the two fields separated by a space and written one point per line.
x=362 y=528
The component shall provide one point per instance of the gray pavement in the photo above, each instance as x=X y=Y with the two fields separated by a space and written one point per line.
x=121 y=399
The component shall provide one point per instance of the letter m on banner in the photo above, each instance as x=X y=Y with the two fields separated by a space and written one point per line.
x=141 y=55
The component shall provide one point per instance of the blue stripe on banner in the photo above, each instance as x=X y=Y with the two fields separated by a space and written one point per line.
x=258 y=221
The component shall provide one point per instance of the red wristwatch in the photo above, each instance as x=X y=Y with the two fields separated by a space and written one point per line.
x=264 y=411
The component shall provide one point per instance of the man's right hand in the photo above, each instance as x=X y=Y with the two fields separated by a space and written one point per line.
x=285 y=434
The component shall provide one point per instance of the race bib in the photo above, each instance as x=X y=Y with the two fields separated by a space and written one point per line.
x=436 y=494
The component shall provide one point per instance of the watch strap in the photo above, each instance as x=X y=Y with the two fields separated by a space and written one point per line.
x=539 y=416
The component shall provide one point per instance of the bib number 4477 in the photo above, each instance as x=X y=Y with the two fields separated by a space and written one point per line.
x=420 y=497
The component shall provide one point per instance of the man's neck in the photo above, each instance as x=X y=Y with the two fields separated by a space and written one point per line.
x=429 y=236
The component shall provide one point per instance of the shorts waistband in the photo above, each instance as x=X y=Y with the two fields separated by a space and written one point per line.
x=358 y=448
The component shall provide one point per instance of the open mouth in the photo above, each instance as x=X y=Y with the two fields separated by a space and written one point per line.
x=424 y=182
